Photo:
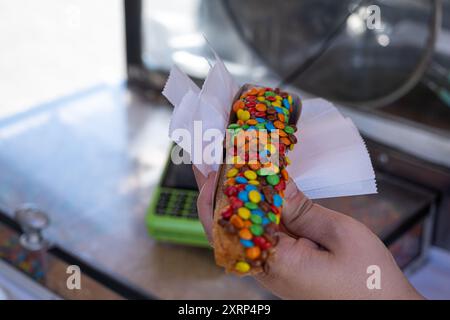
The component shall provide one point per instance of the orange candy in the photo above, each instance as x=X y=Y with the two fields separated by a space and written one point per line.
x=261 y=92
x=253 y=91
x=230 y=182
x=240 y=122
x=285 y=174
x=281 y=133
x=254 y=166
x=286 y=141
x=281 y=117
x=245 y=234
x=252 y=122
x=278 y=124
x=237 y=221
x=238 y=105
x=261 y=107
x=253 y=252
x=247 y=223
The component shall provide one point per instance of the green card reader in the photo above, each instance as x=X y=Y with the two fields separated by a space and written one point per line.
x=172 y=214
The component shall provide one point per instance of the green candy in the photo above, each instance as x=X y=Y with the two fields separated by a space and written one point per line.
x=233 y=126
x=251 y=205
x=267 y=103
x=273 y=179
x=263 y=172
x=260 y=126
x=289 y=130
x=245 y=126
x=272 y=217
x=256 y=219
x=269 y=94
x=256 y=229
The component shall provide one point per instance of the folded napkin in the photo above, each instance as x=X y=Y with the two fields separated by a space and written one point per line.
x=330 y=159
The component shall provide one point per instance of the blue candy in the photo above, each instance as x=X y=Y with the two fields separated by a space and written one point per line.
x=277 y=200
x=243 y=195
x=257 y=212
x=247 y=243
x=286 y=103
x=250 y=187
x=251 y=128
x=260 y=120
x=270 y=126
x=279 y=110
x=265 y=221
x=241 y=180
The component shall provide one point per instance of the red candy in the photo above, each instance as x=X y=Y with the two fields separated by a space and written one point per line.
x=260 y=114
x=259 y=241
x=227 y=212
x=280 y=186
x=275 y=209
x=235 y=203
x=231 y=191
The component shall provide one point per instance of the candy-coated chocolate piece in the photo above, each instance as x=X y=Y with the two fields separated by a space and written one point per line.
x=241 y=180
x=251 y=205
x=272 y=216
x=277 y=200
x=250 y=187
x=258 y=212
x=250 y=175
x=245 y=234
x=244 y=213
x=288 y=130
x=256 y=230
x=243 y=115
x=247 y=243
x=243 y=195
x=256 y=219
x=253 y=253
x=235 y=202
x=242 y=267
x=273 y=179
x=254 y=196
x=237 y=221
x=254 y=182
x=232 y=172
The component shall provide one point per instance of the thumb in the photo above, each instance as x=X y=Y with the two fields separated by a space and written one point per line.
x=205 y=204
x=303 y=218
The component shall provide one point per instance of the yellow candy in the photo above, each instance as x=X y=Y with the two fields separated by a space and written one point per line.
x=243 y=115
x=232 y=172
x=288 y=161
x=279 y=98
x=253 y=182
x=244 y=213
x=242 y=267
x=254 y=196
x=272 y=149
x=290 y=99
x=277 y=219
x=276 y=104
x=250 y=175
x=260 y=98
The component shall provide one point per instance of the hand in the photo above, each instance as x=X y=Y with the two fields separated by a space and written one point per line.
x=322 y=254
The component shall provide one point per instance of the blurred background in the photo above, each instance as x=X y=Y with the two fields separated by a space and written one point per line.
x=84 y=170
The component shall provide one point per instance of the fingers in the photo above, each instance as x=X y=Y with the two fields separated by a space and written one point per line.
x=199 y=177
x=302 y=218
x=205 y=204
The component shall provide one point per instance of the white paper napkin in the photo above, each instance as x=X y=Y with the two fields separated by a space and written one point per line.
x=330 y=159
